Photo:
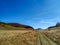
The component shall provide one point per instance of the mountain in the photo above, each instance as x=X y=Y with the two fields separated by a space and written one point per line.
x=15 y=26
x=39 y=29
x=19 y=25
x=56 y=26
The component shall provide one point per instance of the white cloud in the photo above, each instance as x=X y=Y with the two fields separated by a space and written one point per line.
x=51 y=21
x=46 y=22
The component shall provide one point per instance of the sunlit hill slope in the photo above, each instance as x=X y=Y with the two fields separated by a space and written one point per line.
x=13 y=26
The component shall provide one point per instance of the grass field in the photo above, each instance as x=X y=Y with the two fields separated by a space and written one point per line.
x=17 y=37
x=30 y=37
x=49 y=37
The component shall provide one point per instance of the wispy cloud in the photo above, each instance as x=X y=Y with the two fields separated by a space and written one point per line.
x=51 y=21
x=46 y=22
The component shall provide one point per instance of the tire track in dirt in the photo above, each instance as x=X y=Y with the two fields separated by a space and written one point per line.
x=44 y=40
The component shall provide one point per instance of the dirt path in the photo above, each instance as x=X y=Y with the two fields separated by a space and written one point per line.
x=44 y=40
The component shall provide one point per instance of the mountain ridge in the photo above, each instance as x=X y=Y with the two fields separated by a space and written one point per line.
x=14 y=25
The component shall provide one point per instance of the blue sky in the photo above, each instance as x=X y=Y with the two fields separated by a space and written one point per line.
x=36 y=13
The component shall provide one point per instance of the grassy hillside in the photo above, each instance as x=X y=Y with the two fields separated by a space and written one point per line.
x=25 y=35
x=51 y=37
x=13 y=26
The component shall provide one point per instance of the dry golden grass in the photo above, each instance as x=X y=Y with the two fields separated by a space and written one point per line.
x=30 y=37
x=17 y=37
x=54 y=35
